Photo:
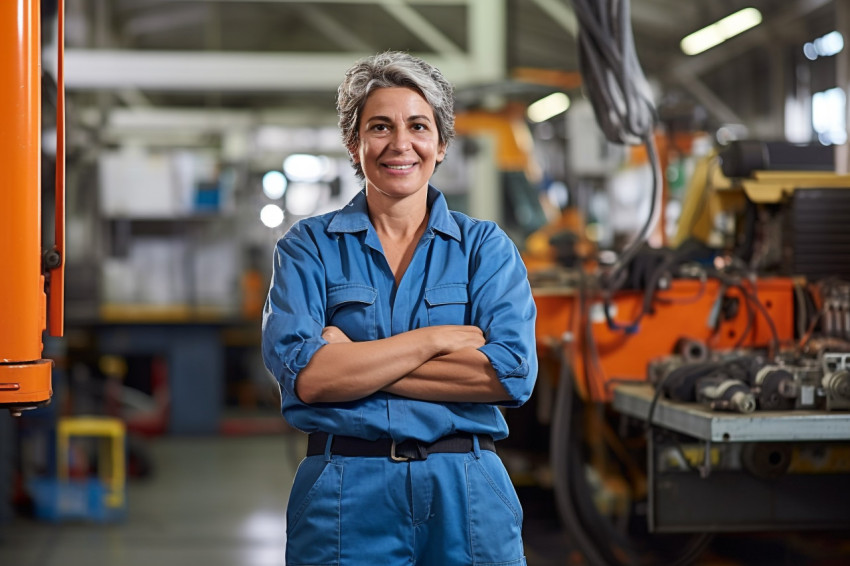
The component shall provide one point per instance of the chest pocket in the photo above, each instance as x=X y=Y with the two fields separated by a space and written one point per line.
x=448 y=304
x=352 y=309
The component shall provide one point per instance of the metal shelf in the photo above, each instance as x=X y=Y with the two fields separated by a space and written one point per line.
x=762 y=426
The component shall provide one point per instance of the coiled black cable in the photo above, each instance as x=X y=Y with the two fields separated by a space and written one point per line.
x=622 y=103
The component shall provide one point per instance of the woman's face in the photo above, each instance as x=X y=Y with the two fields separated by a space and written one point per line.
x=399 y=145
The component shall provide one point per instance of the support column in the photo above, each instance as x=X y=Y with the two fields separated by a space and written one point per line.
x=842 y=79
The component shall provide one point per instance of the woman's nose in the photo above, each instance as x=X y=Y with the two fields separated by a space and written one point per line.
x=401 y=140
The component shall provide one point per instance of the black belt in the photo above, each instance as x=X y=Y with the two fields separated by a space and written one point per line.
x=401 y=452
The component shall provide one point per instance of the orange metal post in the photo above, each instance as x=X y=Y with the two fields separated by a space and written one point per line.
x=24 y=376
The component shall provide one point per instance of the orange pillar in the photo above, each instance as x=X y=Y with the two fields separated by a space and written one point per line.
x=24 y=376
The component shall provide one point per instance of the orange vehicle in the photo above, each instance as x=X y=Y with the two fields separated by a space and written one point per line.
x=31 y=288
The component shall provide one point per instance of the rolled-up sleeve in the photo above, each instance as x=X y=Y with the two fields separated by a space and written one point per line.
x=293 y=317
x=503 y=307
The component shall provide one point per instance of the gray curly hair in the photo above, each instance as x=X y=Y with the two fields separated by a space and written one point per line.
x=392 y=69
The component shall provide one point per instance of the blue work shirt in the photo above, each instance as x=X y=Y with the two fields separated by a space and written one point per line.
x=330 y=270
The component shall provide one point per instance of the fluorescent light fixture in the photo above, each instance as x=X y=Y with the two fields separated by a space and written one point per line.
x=271 y=215
x=274 y=184
x=548 y=107
x=720 y=31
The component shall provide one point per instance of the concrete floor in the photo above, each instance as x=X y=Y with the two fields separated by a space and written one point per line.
x=210 y=501
x=221 y=502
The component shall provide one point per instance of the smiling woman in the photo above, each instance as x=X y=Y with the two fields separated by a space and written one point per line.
x=396 y=328
x=399 y=146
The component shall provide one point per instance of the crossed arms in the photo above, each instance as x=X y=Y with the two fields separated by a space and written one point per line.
x=434 y=363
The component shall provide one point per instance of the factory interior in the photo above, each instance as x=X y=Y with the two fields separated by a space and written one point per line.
x=675 y=175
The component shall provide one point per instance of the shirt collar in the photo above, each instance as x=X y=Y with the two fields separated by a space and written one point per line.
x=354 y=217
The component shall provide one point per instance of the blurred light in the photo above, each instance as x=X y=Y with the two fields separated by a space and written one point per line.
x=810 y=52
x=720 y=31
x=306 y=168
x=798 y=120
x=274 y=184
x=548 y=107
x=559 y=194
x=302 y=198
x=264 y=527
x=271 y=215
x=825 y=46
x=828 y=116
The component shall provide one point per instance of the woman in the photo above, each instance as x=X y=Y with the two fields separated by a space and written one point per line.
x=395 y=328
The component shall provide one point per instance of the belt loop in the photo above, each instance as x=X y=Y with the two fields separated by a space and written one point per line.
x=476 y=447
x=328 y=444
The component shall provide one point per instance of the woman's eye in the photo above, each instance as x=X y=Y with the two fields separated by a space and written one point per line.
x=419 y=127
x=379 y=127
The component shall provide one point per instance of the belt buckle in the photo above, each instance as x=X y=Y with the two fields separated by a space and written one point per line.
x=393 y=454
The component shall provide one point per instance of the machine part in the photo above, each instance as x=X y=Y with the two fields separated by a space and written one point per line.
x=776 y=389
x=692 y=350
x=766 y=460
x=836 y=380
x=837 y=389
x=719 y=385
x=836 y=312
x=680 y=384
x=742 y=157
x=659 y=369
x=724 y=394
x=817 y=234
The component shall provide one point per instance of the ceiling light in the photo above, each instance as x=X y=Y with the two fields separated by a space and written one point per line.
x=274 y=184
x=548 y=107
x=271 y=215
x=720 y=31
x=306 y=168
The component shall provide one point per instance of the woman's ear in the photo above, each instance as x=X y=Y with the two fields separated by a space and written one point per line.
x=441 y=153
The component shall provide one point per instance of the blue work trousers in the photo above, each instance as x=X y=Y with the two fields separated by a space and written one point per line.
x=447 y=510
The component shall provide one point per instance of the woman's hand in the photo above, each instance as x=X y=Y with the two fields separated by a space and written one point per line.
x=334 y=335
x=450 y=338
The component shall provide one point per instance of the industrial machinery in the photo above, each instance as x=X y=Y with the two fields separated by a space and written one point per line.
x=699 y=389
x=31 y=288
x=708 y=395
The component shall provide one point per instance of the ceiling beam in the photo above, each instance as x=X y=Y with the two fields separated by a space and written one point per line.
x=705 y=96
x=174 y=18
x=373 y=2
x=194 y=71
x=421 y=27
x=333 y=30
x=561 y=13
x=204 y=71
x=123 y=121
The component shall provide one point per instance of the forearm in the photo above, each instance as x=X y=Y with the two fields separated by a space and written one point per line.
x=462 y=376
x=346 y=371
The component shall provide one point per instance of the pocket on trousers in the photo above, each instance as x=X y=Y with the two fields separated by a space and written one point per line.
x=495 y=513
x=312 y=515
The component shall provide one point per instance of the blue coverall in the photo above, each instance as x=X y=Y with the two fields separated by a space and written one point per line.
x=449 y=509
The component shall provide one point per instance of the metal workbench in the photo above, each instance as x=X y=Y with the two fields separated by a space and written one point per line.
x=712 y=499
x=701 y=422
